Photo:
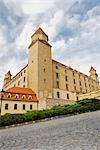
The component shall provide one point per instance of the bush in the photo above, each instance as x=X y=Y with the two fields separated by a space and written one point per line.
x=80 y=107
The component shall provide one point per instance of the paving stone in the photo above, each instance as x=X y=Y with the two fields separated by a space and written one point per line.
x=80 y=132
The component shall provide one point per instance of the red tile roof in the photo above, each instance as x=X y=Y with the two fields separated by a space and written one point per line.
x=39 y=31
x=20 y=92
x=45 y=42
x=92 y=68
x=15 y=75
x=8 y=73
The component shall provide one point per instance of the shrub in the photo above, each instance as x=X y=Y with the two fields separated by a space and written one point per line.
x=80 y=107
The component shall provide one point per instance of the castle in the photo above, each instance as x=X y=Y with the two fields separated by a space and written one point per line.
x=53 y=82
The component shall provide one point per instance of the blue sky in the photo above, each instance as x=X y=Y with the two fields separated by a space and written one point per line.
x=73 y=27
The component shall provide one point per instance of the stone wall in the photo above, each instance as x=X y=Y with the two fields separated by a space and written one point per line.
x=94 y=94
x=53 y=102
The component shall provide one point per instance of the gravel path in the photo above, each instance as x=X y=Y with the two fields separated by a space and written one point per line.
x=80 y=132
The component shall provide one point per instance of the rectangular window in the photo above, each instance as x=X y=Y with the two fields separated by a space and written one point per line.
x=23 y=86
x=44 y=70
x=65 y=78
x=75 y=88
x=66 y=86
x=77 y=98
x=6 y=106
x=74 y=81
x=24 y=79
x=23 y=106
x=81 y=90
x=85 y=84
x=44 y=80
x=58 y=94
x=67 y=96
x=30 y=107
x=15 y=106
x=57 y=84
x=18 y=83
x=56 y=67
x=57 y=76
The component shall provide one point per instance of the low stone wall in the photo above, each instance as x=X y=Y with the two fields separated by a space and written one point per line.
x=53 y=102
x=94 y=94
x=50 y=102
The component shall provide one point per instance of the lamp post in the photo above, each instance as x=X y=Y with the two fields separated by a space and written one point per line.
x=1 y=98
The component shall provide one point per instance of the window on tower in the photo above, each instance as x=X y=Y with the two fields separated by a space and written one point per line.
x=44 y=80
x=65 y=78
x=57 y=75
x=58 y=94
x=44 y=69
x=56 y=67
x=67 y=96
x=57 y=84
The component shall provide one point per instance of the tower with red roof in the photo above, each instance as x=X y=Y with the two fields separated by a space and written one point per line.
x=7 y=77
x=40 y=65
x=93 y=74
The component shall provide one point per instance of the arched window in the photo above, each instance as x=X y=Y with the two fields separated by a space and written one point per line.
x=16 y=96
x=9 y=95
x=30 y=97
x=23 y=97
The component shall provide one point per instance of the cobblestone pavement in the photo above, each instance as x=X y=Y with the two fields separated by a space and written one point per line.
x=80 y=132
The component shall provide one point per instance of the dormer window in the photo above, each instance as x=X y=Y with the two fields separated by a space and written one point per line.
x=30 y=97
x=16 y=96
x=9 y=95
x=23 y=97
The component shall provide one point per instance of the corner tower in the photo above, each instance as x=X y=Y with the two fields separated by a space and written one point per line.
x=40 y=65
x=7 y=78
x=93 y=74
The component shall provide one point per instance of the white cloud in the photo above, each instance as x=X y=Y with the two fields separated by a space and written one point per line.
x=22 y=41
x=65 y=4
x=75 y=38
x=54 y=25
x=2 y=43
x=82 y=49
x=36 y=6
x=2 y=39
x=14 y=6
